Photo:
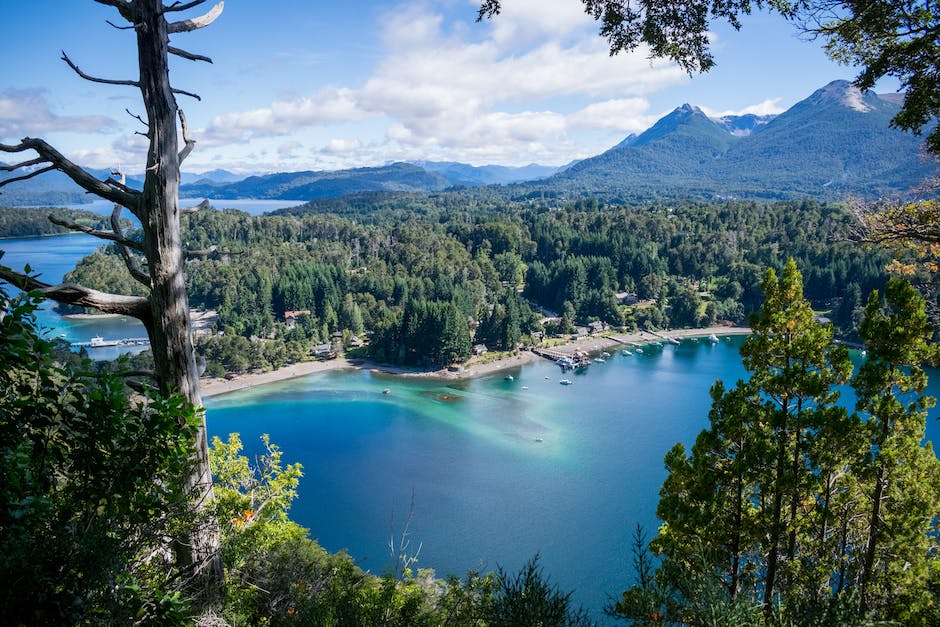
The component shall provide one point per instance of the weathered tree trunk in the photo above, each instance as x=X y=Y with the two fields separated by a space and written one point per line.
x=171 y=334
x=165 y=313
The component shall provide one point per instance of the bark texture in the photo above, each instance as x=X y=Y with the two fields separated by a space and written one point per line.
x=165 y=312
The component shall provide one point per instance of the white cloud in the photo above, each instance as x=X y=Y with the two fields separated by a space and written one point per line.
x=128 y=152
x=283 y=117
x=771 y=106
x=26 y=112
x=288 y=150
x=342 y=146
x=502 y=90
x=630 y=115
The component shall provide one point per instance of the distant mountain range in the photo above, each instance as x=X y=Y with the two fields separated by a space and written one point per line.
x=836 y=142
x=400 y=177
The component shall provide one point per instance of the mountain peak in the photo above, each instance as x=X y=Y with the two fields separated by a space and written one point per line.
x=681 y=120
x=844 y=93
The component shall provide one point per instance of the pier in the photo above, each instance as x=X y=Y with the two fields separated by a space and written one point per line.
x=565 y=360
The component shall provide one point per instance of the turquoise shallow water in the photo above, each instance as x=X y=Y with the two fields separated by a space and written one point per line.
x=51 y=258
x=486 y=491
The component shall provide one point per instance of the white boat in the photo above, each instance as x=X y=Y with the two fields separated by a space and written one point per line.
x=599 y=360
x=713 y=338
x=639 y=350
x=627 y=353
x=508 y=377
x=673 y=341
x=605 y=354
x=566 y=382
x=98 y=342
x=566 y=362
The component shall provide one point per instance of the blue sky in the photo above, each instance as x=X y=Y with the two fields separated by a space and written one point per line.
x=321 y=85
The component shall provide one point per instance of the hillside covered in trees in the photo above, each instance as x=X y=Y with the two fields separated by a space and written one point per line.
x=429 y=275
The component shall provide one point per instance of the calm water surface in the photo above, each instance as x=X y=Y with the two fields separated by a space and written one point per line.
x=50 y=258
x=486 y=490
x=498 y=470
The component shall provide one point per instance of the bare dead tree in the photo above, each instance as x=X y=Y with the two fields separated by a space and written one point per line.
x=165 y=311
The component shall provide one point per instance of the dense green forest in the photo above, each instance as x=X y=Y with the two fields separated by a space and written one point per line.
x=788 y=510
x=33 y=221
x=428 y=275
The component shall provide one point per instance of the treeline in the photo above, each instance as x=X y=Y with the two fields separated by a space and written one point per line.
x=405 y=267
x=34 y=221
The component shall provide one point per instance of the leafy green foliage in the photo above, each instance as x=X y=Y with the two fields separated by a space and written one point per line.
x=409 y=268
x=91 y=488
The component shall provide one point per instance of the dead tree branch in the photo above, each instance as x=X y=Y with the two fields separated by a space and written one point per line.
x=195 y=23
x=112 y=24
x=186 y=93
x=95 y=79
x=137 y=117
x=188 y=55
x=203 y=254
x=189 y=142
x=71 y=294
x=27 y=176
x=25 y=164
x=125 y=197
x=117 y=238
x=130 y=262
x=178 y=6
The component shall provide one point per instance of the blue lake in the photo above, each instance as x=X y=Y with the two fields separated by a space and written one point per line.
x=486 y=491
x=49 y=258
x=498 y=470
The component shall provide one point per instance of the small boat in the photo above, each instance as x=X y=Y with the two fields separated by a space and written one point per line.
x=639 y=350
x=538 y=439
x=713 y=338
x=509 y=377
x=599 y=360
x=627 y=353
x=386 y=391
x=565 y=381
x=525 y=387
x=100 y=342
x=605 y=354
x=673 y=341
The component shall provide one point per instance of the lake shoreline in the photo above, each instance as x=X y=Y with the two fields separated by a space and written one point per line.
x=475 y=367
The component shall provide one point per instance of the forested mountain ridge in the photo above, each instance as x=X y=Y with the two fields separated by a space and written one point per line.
x=310 y=185
x=836 y=142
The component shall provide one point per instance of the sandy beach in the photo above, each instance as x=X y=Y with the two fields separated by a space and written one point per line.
x=475 y=367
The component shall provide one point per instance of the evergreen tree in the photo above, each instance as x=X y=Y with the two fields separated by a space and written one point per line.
x=899 y=474
x=789 y=502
